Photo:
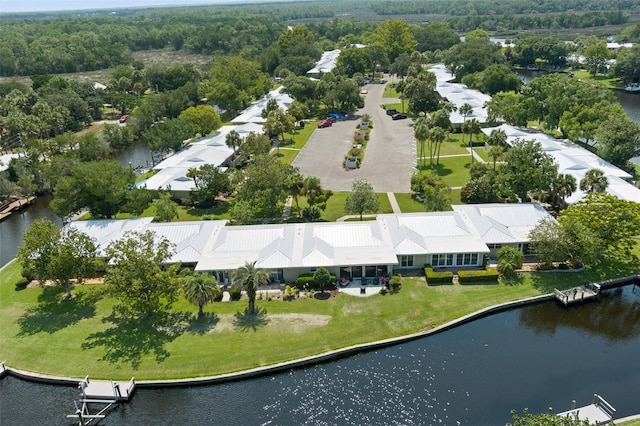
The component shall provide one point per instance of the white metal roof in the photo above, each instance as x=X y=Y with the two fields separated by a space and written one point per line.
x=188 y=238
x=576 y=161
x=432 y=233
x=326 y=63
x=214 y=246
x=105 y=231
x=253 y=114
x=504 y=223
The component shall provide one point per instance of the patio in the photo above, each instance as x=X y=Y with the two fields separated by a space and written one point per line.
x=356 y=288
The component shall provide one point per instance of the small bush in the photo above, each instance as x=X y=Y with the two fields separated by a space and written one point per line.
x=486 y=275
x=235 y=293
x=308 y=279
x=383 y=291
x=433 y=277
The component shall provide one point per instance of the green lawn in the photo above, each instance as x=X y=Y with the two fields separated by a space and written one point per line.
x=285 y=155
x=483 y=154
x=408 y=204
x=335 y=205
x=603 y=80
x=41 y=333
x=453 y=170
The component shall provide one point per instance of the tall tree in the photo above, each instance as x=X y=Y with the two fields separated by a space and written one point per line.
x=200 y=289
x=618 y=138
x=210 y=183
x=250 y=277
x=361 y=199
x=526 y=168
x=615 y=222
x=233 y=140
x=395 y=37
x=203 y=118
x=99 y=186
x=60 y=255
x=138 y=277
x=421 y=134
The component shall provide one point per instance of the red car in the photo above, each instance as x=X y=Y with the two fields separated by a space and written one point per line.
x=124 y=118
x=331 y=119
x=324 y=123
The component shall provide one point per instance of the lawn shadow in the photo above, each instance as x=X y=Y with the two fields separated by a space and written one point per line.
x=52 y=313
x=130 y=340
x=246 y=321
x=322 y=295
x=202 y=325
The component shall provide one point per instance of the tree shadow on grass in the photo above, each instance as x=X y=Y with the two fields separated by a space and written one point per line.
x=202 y=325
x=130 y=340
x=52 y=314
x=322 y=295
x=246 y=321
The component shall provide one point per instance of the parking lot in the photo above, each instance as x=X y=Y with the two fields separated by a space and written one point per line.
x=389 y=159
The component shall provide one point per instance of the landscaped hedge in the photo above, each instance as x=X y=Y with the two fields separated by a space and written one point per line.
x=486 y=275
x=308 y=279
x=433 y=277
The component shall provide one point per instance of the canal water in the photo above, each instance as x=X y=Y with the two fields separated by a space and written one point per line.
x=539 y=356
x=12 y=229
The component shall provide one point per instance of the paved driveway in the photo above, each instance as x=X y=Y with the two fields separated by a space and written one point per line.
x=389 y=160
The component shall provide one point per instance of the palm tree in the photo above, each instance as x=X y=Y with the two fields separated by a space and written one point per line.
x=465 y=110
x=421 y=133
x=473 y=127
x=200 y=289
x=594 y=181
x=233 y=140
x=495 y=152
x=437 y=136
x=497 y=138
x=296 y=186
x=250 y=277
x=564 y=186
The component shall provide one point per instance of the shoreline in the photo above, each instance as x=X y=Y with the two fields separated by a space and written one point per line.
x=312 y=359
x=294 y=364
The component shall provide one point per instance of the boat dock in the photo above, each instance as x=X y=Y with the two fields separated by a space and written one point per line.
x=3 y=370
x=598 y=413
x=577 y=294
x=8 y=209
x=99 y=396
x=106 y=389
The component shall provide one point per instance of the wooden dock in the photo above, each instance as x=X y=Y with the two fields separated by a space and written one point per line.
x=16 y=205
x=600 y=412
x=577 y=294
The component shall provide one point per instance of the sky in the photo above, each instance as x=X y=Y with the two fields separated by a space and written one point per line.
x=12 y=6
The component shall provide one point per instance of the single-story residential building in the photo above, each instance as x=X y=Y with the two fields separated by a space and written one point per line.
x=392 y=243
x=576 y=161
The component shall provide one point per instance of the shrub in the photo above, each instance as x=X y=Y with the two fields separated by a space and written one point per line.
x=486 y=275
x=383 y=291
x=308 y=279
x=235 y=293
x=395 y=283
x=433 y=277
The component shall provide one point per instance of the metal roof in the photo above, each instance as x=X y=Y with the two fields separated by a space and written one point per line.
x=574 y=160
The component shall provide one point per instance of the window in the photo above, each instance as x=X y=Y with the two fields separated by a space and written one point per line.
x=277 y=275
x=406 y=261
x=494 y=246
x=466 y=259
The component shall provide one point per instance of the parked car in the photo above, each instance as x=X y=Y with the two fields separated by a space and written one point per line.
x=392 y=112
x=398 y=116
x=124 y=118
x=363 y=92
x=324 y=123
x=331 y=119
x=338 y=115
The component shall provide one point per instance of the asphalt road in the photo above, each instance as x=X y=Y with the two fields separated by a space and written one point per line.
x=389 y=159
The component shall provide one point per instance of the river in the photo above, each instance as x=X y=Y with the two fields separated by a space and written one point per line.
x=538 y=356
